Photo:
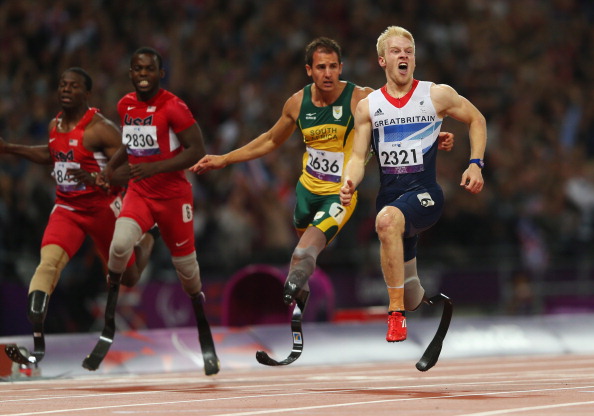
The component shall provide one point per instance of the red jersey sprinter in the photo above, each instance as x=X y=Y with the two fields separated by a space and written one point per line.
x=160 y=138
x=81 y=141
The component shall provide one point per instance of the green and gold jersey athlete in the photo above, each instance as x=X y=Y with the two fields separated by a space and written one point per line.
x=323 y=111
x=328 y=136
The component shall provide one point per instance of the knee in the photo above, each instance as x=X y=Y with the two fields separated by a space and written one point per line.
x=304 y=254
x=389 y=222
x=304 y=259
x=126 y=234
x=120 y=247
x=188 y=272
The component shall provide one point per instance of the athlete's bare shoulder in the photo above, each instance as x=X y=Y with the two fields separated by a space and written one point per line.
x=442 y=90
x=293 y=105
x=297 y=96
x=443 y=97
x=99 y=121
x=101 y=132
x=359 y=93
x=362 y=92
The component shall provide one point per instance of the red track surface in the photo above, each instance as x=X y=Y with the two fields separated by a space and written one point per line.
x=527 y=386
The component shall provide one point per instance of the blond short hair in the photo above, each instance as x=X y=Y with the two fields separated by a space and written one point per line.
x=390 y=32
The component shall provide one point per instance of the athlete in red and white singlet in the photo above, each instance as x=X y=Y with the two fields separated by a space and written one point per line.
x=160 y=138
x=149 y=134
x=68 y=152
x=81 y=141
x=149 y=130
x=81 y=207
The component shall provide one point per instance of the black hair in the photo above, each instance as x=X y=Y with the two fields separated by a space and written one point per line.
x=149 y=51
x=84 y=74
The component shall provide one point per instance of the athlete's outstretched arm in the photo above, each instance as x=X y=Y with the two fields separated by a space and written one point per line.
x=261 y=145
x=36 y=154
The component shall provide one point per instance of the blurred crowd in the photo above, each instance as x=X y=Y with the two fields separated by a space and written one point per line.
x=526 y=64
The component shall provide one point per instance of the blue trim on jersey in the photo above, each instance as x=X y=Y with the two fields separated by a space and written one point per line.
x=401 y=132
x=436 y=126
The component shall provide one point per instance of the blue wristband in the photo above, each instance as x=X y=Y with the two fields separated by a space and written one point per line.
x=479 y=162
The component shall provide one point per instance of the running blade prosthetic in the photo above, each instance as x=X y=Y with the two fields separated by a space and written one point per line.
x=431 y=354
x=17 y=354
x=94 y=359
x=212 y=365
x=300 y=305
x=20 y=355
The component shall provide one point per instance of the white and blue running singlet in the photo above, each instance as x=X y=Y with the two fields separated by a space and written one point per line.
x=405 y=132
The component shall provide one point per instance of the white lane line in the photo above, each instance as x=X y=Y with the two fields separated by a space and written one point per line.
x=160 y=388
x=526 y=409
x=289 y=409
x=283 y=386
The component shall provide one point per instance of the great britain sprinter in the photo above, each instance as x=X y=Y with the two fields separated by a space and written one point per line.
x=401 y=121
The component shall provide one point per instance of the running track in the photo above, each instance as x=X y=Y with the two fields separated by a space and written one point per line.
x=538 y=366
x=527 y=386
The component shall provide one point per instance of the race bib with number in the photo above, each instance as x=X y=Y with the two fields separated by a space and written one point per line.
x=325 y=165
x=116 y=206
x=141 y=140
x=66 y=182
x=401 y=157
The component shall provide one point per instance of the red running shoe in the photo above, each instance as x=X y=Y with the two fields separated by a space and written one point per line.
x=396 y=327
